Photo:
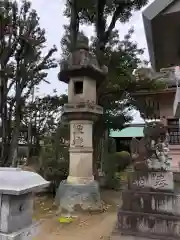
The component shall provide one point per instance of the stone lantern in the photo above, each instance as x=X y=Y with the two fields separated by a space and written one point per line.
x=83 y=75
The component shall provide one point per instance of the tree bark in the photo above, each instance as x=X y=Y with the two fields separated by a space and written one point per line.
x=97 y=150
x=3 y=89
x=16 y=128
x=14 y=143
x=74 y=24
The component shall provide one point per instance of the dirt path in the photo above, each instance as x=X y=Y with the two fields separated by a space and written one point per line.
x=90 y=227
x=86 y=227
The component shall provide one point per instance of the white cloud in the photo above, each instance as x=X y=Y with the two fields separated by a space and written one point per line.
x=52 y=19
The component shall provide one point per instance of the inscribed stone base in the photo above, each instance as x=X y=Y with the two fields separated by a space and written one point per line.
x=157 y=226
x=28 y=233
x=151 y=202
x=117 y=235
x=78 y=197
x=155 y=180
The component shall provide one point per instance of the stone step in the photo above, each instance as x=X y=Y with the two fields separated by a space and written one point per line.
x=151 y=202
x=157 y=226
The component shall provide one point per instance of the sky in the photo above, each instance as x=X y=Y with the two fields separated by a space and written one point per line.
x=52 y=19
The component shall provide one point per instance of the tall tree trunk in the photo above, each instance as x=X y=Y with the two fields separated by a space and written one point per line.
x=13 y=154
x=30 y=131
x=3 y=109
x=9 y=136
x=74 y=24
x=29 y=142
x=2 y=119
x=97 y=136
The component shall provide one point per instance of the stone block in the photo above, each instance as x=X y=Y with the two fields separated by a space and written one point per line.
x=122 y=237
x=151 y=202
x=27 y=233
x=157 y=180
x=158 y=226
x=16 y=212
x=75 y=197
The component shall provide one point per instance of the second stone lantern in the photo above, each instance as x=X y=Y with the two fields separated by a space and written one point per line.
x=83 y=75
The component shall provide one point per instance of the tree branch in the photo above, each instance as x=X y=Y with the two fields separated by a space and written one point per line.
x=100 y=22
x=74 y=23
x=112 y=24
x=41 y=65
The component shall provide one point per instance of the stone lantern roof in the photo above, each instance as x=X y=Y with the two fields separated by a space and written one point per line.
x=82 y=63
x=14 y=181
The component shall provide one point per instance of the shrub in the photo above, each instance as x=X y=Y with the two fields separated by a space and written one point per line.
x=123 y=160
x=114 y=163
x=54 y=162
x=54 y=171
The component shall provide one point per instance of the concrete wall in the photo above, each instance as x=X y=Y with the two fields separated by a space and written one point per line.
x=166 y=105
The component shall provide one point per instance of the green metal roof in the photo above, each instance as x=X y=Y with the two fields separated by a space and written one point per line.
x=128 y=132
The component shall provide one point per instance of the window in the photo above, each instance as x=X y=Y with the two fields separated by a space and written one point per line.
x=174 y=131
x=78 y=87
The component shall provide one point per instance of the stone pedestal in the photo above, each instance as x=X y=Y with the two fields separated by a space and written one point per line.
x=80 y=152
x=75 y=197
x=150 y=207
x=80 y=191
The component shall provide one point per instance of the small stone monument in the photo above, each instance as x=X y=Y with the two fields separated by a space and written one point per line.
x=83 y=74
x=16 y=199
x=150 y=207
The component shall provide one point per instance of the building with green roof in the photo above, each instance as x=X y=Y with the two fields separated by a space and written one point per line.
x=128 y=132
x=123 y=137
